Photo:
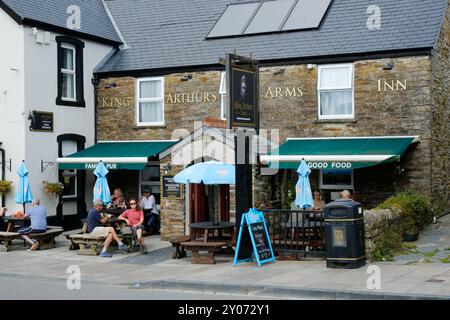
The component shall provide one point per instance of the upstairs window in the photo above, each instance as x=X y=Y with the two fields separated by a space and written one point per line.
x=70 y=72
x=336 y=92
x=150 y=102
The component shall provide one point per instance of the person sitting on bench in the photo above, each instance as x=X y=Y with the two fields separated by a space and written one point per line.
x=134 y=218
x=96 y=228
x=38 y=217
x=2 y=223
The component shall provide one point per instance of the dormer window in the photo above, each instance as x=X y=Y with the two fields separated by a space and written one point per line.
x=70 y=72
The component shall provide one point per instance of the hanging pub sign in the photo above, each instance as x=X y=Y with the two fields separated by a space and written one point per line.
x=171 y=189
x=41 y=121
x=243 y=86
x=254 y=222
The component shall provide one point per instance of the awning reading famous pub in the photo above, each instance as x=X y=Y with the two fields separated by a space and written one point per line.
x=339 y=153
x=128 y=155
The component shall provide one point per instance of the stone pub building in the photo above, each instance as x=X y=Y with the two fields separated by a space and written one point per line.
x=358 y=88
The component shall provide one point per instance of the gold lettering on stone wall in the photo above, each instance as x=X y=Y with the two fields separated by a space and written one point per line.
x=191 y=97
x=392 y=85
x=277 y=92
x=110 y=102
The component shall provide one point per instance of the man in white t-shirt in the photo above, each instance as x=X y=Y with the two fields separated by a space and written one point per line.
x=148 y=205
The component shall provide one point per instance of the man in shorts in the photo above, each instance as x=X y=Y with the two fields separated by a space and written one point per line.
x=96 y=228
x=38 y=217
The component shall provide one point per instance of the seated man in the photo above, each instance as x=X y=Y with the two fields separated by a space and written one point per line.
x=96 y=228
x=38 y=217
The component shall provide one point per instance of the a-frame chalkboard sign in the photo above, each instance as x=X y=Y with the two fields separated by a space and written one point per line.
x=254 y=222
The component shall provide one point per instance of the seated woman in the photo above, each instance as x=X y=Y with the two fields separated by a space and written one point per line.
x=134 y=218
x=117 y=200
x=318 y=203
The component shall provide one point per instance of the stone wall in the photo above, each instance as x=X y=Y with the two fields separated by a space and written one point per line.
x=117 y=106
x=380 y=226
x=440 y=95
x=377 y=113
x=173 y=218
x=288 y=96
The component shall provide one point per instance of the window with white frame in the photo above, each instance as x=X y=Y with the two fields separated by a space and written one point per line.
x=336 y=91
x=69 y=147
x=336 y=179
x=150 y=102
x=223 y=96
x=68 y=72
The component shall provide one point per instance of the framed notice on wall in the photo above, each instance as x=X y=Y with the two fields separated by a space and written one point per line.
x=41 y=121
x=171 y=189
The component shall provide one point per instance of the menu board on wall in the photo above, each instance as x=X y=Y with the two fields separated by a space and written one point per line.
x=171 y=189
x=41 y=121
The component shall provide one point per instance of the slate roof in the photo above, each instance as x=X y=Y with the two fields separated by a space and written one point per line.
x=94 y=18
x=171 y=33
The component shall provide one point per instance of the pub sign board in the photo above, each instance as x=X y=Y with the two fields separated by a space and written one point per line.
x=242 y=84
x=254 y=222
x=171 y=189
x=41 y=121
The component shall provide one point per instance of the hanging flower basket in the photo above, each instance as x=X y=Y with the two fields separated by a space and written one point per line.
x=5 y=187
x=55 y=188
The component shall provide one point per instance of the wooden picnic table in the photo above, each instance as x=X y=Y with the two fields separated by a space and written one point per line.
x=205 y=229
x=12 y=220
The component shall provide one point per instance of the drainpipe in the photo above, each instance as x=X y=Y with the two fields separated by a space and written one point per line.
x=95 y=83
x=3 y=172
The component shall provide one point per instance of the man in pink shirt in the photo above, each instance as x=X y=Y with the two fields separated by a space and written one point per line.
x=134 y=218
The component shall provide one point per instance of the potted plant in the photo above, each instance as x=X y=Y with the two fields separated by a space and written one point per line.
x=290 y=196
x=410 y=229
x=55 y=188
x=5 y=187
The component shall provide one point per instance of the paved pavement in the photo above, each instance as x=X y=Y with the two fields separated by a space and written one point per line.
x=283 y=279
x=433 y=246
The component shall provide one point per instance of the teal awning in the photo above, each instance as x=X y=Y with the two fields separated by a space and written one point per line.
x=128 y=155
x=339 y=153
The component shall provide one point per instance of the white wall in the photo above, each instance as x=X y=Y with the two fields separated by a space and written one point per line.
x=12 y=101
x=41 y=92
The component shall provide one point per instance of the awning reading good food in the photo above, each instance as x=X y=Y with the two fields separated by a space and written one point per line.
x=130 y=155
x=339 y=153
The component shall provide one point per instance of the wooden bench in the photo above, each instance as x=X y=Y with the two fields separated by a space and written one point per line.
x=6 y=238
x=179 y=249
x=82 y=240
x=197 y=246
x=73 y=245
x=46 y=239
x=85 y=240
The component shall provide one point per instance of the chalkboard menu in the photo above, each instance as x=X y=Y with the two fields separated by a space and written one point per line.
x=171 y=189
x=254 y=222
x=41 y=121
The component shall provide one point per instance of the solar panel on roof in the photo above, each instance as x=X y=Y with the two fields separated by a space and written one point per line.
x=233 y=20
x=270 y=16
x=307 y=14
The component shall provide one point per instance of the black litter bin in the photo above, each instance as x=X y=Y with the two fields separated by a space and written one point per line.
x=344 y=224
